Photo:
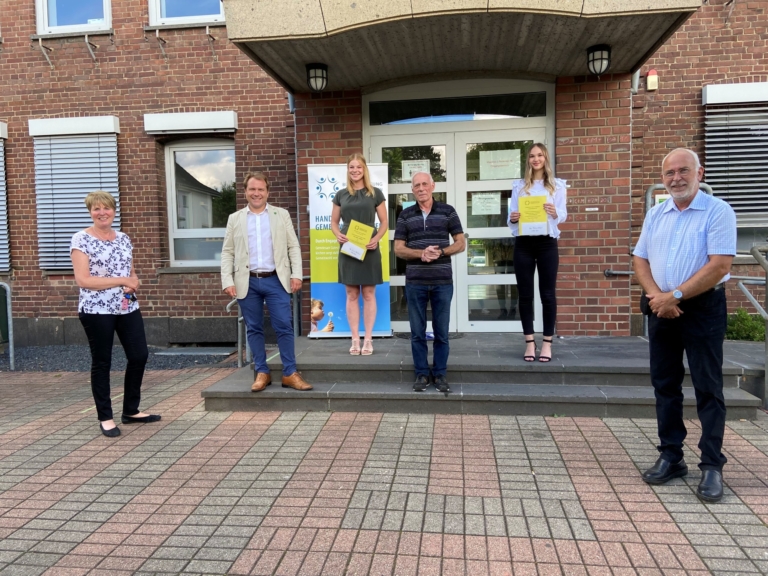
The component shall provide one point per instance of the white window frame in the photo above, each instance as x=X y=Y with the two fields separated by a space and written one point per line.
x=5 y=248
x=736 y=148
x=174 y=232
x=41 y=7
x=156 y=19
x=73 y=157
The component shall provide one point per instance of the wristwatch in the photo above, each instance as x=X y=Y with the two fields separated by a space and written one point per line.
x=677 y=294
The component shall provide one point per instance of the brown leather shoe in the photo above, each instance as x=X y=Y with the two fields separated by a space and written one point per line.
x=263 y=379
x=296 y=382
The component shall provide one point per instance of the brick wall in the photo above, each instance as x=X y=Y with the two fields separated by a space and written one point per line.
x=593 y=153
x=130 y=78
x=723 y=43
x=328 y=129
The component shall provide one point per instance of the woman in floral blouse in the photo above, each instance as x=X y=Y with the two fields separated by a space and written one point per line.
x=103 y=263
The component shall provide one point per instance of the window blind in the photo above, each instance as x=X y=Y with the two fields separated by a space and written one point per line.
x=5 y=252
x=736 y=159
x=67 y=169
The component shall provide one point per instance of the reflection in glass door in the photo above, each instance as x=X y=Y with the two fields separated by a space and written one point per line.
x=486 y=290
x=405 y=156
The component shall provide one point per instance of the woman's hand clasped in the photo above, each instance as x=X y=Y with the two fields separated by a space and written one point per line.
x=131 y=284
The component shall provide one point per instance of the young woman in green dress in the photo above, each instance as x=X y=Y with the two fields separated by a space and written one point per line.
x=362 y=202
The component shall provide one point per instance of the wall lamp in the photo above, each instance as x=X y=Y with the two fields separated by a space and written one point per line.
x=598 y=58
x=317 y=77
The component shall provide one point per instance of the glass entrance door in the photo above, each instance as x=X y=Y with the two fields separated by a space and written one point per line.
x=486 y=285
x=406 y=155
x=473 y=172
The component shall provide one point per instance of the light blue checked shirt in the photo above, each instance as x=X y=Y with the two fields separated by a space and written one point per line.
x=678 y=244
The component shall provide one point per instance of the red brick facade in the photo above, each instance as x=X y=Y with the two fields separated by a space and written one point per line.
x=592 y=152
x=609 y=145
x=130 y=78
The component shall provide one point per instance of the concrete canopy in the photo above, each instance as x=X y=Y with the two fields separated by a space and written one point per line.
x=373 y=44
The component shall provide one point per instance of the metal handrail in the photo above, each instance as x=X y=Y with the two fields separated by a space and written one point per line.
x=9 y=308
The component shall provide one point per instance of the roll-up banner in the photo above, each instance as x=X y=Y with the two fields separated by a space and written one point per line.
x=328 y=309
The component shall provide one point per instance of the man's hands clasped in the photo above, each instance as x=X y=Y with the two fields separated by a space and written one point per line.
x=430 y=253
x=664 y=305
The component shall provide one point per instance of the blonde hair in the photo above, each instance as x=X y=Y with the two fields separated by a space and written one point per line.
x=366 y=175
x=549 y=178
x=255 y=176
x=100 y=198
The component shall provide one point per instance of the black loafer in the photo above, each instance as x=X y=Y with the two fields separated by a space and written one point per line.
x=140 y=420
x=711 y=486
x=664 y=471
x=111 y=433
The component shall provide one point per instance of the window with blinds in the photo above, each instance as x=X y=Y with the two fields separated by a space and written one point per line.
x=5 y=252
x=67 y=169
x=736 y=159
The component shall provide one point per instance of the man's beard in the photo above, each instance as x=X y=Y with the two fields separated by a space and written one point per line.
x=689 y=191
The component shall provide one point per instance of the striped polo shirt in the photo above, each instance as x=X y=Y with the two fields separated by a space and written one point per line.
x=418 y=232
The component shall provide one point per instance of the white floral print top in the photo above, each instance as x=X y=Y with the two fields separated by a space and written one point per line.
x=105 y=260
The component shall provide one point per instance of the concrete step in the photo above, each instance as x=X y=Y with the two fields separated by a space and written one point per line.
x=233 y=393
x=356 y=369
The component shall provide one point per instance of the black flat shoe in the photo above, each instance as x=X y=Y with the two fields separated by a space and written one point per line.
x=139 y=420
x=711 y=486
x=111 y=433
x=664 y=471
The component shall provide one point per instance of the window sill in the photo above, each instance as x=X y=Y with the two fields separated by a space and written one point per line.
x=54 y=36
x=180 y=26
x=189 y=270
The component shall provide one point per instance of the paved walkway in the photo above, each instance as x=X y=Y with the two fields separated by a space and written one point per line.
x=352 y=493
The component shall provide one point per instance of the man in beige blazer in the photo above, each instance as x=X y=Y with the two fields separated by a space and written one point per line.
x=261 y=263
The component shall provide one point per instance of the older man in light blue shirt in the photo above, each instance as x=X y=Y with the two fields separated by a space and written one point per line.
x=682 y=259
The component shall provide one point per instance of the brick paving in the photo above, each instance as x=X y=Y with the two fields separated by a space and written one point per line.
x=356 y=493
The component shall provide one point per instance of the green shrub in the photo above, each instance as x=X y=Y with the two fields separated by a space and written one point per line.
x=744 y=326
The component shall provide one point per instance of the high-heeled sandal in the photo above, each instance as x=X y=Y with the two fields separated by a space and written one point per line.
x=543 y=358
x=367 y=347
x=530 y=358
x=355 y=349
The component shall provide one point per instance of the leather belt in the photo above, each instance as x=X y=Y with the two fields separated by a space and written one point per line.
x=263 y=274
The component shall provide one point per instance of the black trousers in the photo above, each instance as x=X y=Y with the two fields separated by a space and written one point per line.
x=100 y=329
x=699 y=332
x=532 y=252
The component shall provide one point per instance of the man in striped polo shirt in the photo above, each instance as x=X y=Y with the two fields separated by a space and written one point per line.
x=422 y=239
x=682 y=259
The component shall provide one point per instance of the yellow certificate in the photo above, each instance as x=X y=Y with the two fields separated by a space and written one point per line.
x=358 y=235
x=533 y=218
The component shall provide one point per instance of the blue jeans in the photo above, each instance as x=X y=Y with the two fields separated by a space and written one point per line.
x=699 y=332
x=440 y=296
x=270 y=291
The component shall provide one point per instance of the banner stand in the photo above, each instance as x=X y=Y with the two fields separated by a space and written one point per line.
x=328 y=302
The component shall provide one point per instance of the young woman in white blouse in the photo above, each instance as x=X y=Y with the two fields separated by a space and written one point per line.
x=538 y=252
x=103 y=262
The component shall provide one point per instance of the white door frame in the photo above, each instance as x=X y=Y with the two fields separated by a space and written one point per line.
x=429 y=134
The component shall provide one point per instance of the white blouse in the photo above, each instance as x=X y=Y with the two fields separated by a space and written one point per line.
x=105 y=260
x=558 y=198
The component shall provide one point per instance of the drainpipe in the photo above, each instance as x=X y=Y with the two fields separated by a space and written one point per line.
x=297 y=295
